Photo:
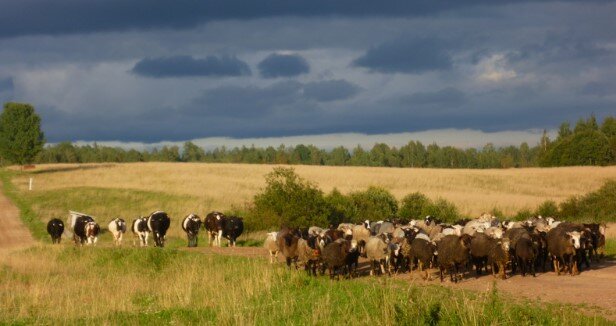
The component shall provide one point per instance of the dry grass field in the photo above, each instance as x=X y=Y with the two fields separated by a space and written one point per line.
x=208 y=187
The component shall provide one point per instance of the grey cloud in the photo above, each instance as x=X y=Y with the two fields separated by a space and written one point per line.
x=447 y=97
x=330 y=90
x=36 y=17
x=187 y=66
x=406 y=56
x=283 y=65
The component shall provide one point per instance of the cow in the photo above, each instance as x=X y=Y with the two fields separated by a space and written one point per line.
x=55 y=228
x=191 y=225
x=79 y=223
x=158 y=224
x=232 y=228
x=92 y=229
x=213 y=225
x=141 y=231
x=117 y=227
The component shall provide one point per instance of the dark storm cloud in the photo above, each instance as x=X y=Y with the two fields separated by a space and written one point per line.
x=187 y=66
x=406 y=56
x=32 y=17
x=283 y=65
x=445 y=98
x=330 y=90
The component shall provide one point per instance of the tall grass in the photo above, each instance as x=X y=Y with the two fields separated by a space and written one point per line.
x=231 y=186
x=66 y=285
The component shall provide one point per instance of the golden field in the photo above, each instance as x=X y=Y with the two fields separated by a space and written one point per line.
x=224 y=186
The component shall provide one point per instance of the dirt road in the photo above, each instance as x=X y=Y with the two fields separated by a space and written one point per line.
x=13 y=233
x=594 y=288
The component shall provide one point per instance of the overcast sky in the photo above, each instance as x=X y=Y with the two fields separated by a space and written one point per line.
x=455 y=72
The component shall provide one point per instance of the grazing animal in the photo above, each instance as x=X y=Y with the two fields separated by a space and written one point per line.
x=117 y=227
x=213 y=225
x=361 y=234
x=309 y=253
x=232 y=228
x=481 y=245
x=423 y=251
x=287 y=240
x=526 y=252
x=378 y=253
x=335 y=257
x=562 y=246
x=191 y=225
x=453 y=253
x=141 y=231
x=271 y=246
x=92 y=229
x=55 y=228
x=498 y=258
x=158 y=223
x=79 y=228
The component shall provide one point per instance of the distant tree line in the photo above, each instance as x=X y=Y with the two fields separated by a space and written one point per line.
x=588 y=143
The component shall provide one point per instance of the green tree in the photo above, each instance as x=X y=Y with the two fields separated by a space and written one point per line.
x=192 y=152
x=21 y=138
x=375 y=203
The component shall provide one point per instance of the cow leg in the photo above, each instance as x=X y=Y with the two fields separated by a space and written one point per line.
x=220 y=238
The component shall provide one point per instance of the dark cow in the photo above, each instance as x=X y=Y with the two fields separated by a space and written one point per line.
x=191 y=225
x=79 y=228
x=55 y=228
x=158 y=224
x=213 y=225
x=141 y=231
x=232 y=228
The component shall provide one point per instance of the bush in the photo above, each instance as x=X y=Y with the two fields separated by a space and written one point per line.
x=373 y=204
x=288 y=200
x=523 y=214
x=413 y=205
x=598 y=205
x=547 y=208
x=341 y=208
x=441 y=208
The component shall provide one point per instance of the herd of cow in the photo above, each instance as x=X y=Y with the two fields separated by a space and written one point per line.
x=483 y=243
x=85 y=230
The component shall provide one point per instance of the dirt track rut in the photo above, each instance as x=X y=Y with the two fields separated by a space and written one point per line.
x=13 y=233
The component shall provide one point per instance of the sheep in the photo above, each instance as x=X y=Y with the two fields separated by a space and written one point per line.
x=562 y=246
x=494 y=232
x=352 y=258
x=377 y=252
x=315 y=230
x=287 y=240
x=309 y=254
x=335 y=256
x=423 y=251
x=481 y=245
x=499 y=257
x=453 y=252
x=271 y=246
x=526 y=252
x=361 y=234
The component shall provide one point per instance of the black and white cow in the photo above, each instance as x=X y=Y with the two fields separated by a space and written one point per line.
x=117 y=227
x=191 y=225
x=158 y=223
x=232 y=228
x=79 y=224
x=55 y=228
x=213 y=225
x=141 y=231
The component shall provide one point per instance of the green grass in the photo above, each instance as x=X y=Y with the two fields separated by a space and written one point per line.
x=150 y=285
x=610 y=248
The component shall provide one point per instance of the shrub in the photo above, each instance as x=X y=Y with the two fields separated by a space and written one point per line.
x=341 y=208
x=547 y=208
x=375 y=203
x=523 y=214
x=289 y=200
x=413 y=205
x=442 y=209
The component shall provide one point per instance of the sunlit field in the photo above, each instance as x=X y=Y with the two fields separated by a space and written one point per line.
x=202 y=187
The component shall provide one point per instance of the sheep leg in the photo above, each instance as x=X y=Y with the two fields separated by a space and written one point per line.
x=522 y=264
x=532 y=269
x=502 y=272
x=556 y=267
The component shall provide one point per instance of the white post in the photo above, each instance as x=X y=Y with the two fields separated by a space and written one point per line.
x=30 y=186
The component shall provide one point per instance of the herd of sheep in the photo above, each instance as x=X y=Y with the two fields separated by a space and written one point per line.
x=485 y=244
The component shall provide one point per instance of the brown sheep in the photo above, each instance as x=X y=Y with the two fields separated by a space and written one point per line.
x=481 y=245
x=526 y=252
x=562 y=246
x=287 y=240
x=335 y=257
x=309 y=254
x=422 y=251
x=453 y=252
x=498 y=258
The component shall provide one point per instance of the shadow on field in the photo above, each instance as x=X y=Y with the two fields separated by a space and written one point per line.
x=73 y=168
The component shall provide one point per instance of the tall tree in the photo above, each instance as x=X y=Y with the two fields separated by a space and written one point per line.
x=21 y=138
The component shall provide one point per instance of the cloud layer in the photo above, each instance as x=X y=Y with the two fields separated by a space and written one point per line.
x=187 y=66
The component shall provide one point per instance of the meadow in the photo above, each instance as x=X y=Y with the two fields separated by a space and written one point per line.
x=105 y=285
